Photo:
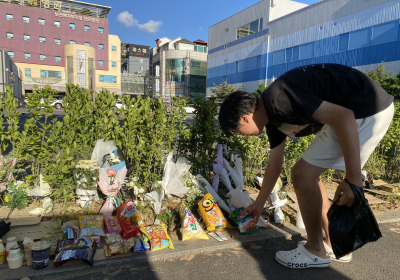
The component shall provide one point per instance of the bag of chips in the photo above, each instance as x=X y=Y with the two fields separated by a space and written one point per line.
x=190 y=226
x=245 y=223
x=119 y=246
x=112 y=225
x=129 y=219
x=211 y=213
x=158 y=236
x=91 y=225
x=82 y=248
x=140 y=246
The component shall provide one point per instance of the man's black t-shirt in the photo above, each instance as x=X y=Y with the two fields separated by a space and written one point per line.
x=292 y=99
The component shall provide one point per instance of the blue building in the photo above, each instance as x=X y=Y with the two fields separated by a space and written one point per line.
x=271 y=37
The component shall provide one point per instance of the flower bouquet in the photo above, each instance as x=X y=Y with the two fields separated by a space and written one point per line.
x=16 y=197
x=86 y=176
x=7 y=164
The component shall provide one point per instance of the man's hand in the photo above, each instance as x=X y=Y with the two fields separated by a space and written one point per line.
x=255 y=210
x=344 y=195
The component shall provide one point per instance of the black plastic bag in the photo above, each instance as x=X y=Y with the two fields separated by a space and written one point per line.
x=4 y=228
x=352 y=227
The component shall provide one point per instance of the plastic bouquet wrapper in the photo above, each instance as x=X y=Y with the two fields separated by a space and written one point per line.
x=158 y=236
x=129 y=219
x=244 y=222
x=350 y=228
x=91 y=225
x=100 y=149
x=112 y=225
x=117 y=245
x=277 y=204
x=172 y=181
x=156 y=199
x=140 y=246
x=81 y=249
x=211 y=213
x=218 y=167
x=190 y=226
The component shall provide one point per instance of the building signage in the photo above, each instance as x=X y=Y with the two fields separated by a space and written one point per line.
x=138 y=50
x=157 y=70
x=166 y=100
x=157 y=85
x=84 y=18
x=81 y=67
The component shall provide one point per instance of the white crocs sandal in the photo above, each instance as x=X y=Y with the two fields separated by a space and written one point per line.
x=301 y=258
x=329 y=251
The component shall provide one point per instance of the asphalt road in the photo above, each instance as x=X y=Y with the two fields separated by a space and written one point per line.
x=378 y=260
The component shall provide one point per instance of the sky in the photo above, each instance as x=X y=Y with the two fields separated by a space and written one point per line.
x=142 y=22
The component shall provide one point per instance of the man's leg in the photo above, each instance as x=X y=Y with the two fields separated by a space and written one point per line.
x=305 y=179
x=325 y=209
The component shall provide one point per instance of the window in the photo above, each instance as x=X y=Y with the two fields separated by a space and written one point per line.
x=57 y=24
x=27 y=56
x=288 y=54
x=296 y=51
x=307 y=51
x=250 y=28
x=50 y=74
x=87 y=28
x=343 y=42
x=72 y=42
x=107 y=79
x=27 y=72
x=140 y=68
x=27 y=37
x=10 y=35
x=140 y=60
x=226 y=46
x=42 y=39
x=114 y=64
x=114 y=48
x=201 y=49
x=10 y=54
x=9 y=17
x=25 y=19
x=72 y=25
x=226 y=30
x=57 y=41
x=58 y=58
x=42 y=57
x=359 y=39
x=87 y=44
x=385 y=33
x=41 y=21
x=101 y=30
x=278 y=57
x=101 y=46
x=101 y=62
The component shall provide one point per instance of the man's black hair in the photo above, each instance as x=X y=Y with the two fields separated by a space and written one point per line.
x=236 y=105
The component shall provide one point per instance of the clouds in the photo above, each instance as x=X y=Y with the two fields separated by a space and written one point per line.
x=127 y=20
x=200 y=28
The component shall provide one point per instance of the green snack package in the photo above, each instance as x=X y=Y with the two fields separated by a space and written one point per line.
x=245 y=223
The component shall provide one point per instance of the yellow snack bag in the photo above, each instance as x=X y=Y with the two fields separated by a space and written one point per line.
x=158 y=236
x=91 y=225
x=190 y=226
x=211 y=213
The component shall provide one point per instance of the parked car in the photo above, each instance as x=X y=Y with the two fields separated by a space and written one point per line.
x=58 y=102
x=189 y=109
x=119 y=105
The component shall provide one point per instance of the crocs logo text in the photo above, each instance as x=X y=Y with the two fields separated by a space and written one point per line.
x=304 y=265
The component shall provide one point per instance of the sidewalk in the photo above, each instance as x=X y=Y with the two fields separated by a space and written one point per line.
x=182 y=248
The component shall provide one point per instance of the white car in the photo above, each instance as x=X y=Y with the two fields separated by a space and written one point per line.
x=119 y=105
x=58 y=103
x=189 y=109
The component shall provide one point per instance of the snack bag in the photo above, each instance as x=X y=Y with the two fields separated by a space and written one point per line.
x=140 y=246
x=190 y=226
x=129 y=219
x=211 y=213
x=112 y=225
x=91 y=225
x=82 y=248
x=119 y=246
x=244 y=222
x=158 y=236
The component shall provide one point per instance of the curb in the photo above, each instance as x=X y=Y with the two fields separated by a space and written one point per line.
x=182 y=248
x=391 y=217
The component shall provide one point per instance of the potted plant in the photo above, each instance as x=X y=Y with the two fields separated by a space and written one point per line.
x=86 y=176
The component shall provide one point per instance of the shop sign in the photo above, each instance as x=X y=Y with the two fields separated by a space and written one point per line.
x=157 y=85
x=157 y=71
x=166 y=100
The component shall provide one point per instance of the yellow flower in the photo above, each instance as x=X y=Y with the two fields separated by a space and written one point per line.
x=6 y=198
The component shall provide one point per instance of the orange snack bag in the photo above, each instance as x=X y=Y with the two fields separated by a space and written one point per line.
x=129 y=219
x=211 y=213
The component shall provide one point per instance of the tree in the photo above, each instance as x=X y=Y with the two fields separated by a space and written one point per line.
x=261 y=88
x=385 y=79
x=222 y=90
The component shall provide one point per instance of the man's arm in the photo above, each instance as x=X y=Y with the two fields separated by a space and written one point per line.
x=271 y=174
x=344 y=123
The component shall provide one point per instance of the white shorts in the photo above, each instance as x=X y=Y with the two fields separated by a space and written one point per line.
x=325 y=150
